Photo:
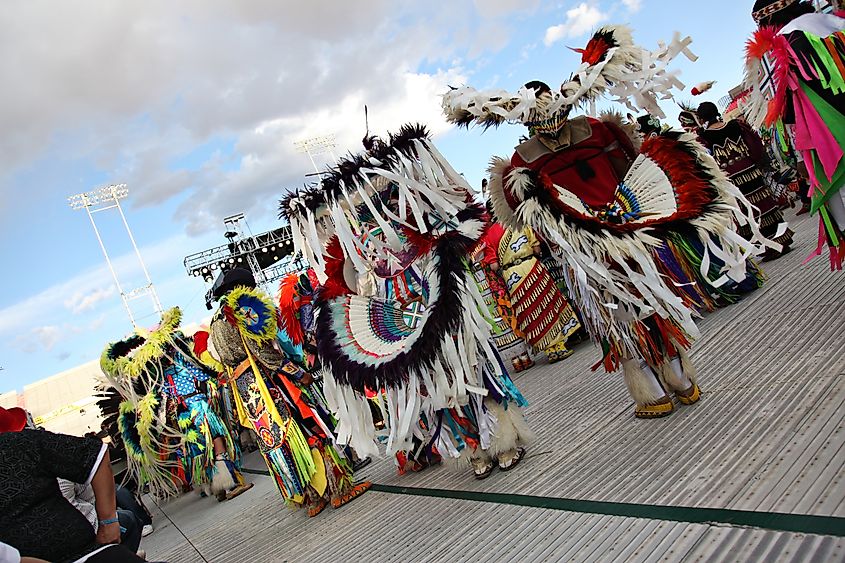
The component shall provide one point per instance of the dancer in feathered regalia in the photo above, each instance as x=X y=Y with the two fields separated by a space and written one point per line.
x=389 y=233
x=509 y=341
x=296 y=317
x=739 y=151
x=269 y=395
x=605 y=207
x=298 y=339
x=171 y=433
x=806 y=52
x=543 y=314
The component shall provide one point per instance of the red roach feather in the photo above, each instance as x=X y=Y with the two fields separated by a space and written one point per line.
x=335 y=285
x=200 y=342
x=288 y=309
x=760 y=42
x=595 y=50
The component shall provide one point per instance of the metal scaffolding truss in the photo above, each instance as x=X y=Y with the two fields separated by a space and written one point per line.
x=269 y=256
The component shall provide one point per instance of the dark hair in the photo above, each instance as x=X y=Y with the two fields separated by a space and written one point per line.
x=708 y=113
x=489 y=206
x=784 y=16
x=538 y=87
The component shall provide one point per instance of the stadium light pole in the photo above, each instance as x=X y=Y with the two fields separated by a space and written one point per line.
x=104 y=199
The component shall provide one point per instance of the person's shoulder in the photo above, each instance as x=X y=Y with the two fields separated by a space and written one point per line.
x=815 y=23
x=25 y=435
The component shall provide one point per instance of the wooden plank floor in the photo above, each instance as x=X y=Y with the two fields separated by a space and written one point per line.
x=766 y=436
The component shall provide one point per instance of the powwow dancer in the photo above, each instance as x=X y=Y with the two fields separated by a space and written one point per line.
x=294 y=437
x=434 y=364
x=509 y=342
x=681 y=255
x=297 y=337
x=296 y=317
x=806 y=51
x=543 y=314
x=688 y=119
x=579 y=183
x=159 y=402
x=739 y=151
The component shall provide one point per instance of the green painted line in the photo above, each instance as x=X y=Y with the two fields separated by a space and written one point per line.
x=778 y=521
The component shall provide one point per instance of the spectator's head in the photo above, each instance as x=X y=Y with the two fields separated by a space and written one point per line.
x=778 y=13
x=12 y=420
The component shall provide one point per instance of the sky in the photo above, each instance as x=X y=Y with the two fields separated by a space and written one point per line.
x=196 y=106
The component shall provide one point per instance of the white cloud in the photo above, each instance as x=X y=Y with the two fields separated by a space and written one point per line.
x=45 y=338
x=39 y=339
x=495 y=8
x=633 y=5
x=82 y=301
x=254 y=76
x=579 y=20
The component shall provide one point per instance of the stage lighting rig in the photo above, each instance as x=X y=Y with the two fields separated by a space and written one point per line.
x=269 y=256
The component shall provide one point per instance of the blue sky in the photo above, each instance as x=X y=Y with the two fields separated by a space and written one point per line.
x=196 y=106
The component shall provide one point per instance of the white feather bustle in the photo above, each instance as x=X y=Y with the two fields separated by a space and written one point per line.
x=754 y=105
x=603 y=294
x=454 y=380
x=427 y=187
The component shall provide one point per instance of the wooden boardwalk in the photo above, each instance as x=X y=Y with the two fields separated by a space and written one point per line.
x=767 y=436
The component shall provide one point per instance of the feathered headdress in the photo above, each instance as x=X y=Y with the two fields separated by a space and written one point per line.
x=611 y=65
x=427 y=194
x=252 y=313
x=288 y=294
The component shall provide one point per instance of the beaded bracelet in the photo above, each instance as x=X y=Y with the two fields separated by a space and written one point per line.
x=108 y=521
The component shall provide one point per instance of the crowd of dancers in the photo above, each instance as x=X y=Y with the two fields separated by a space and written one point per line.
x=422 y=295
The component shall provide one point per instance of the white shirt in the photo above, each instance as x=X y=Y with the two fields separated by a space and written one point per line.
x=9 y=554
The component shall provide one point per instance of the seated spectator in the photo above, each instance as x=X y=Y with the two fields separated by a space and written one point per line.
x=35 y=519
x=82 y=498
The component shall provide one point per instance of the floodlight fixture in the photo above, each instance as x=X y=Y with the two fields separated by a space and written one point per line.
x=315 y=146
